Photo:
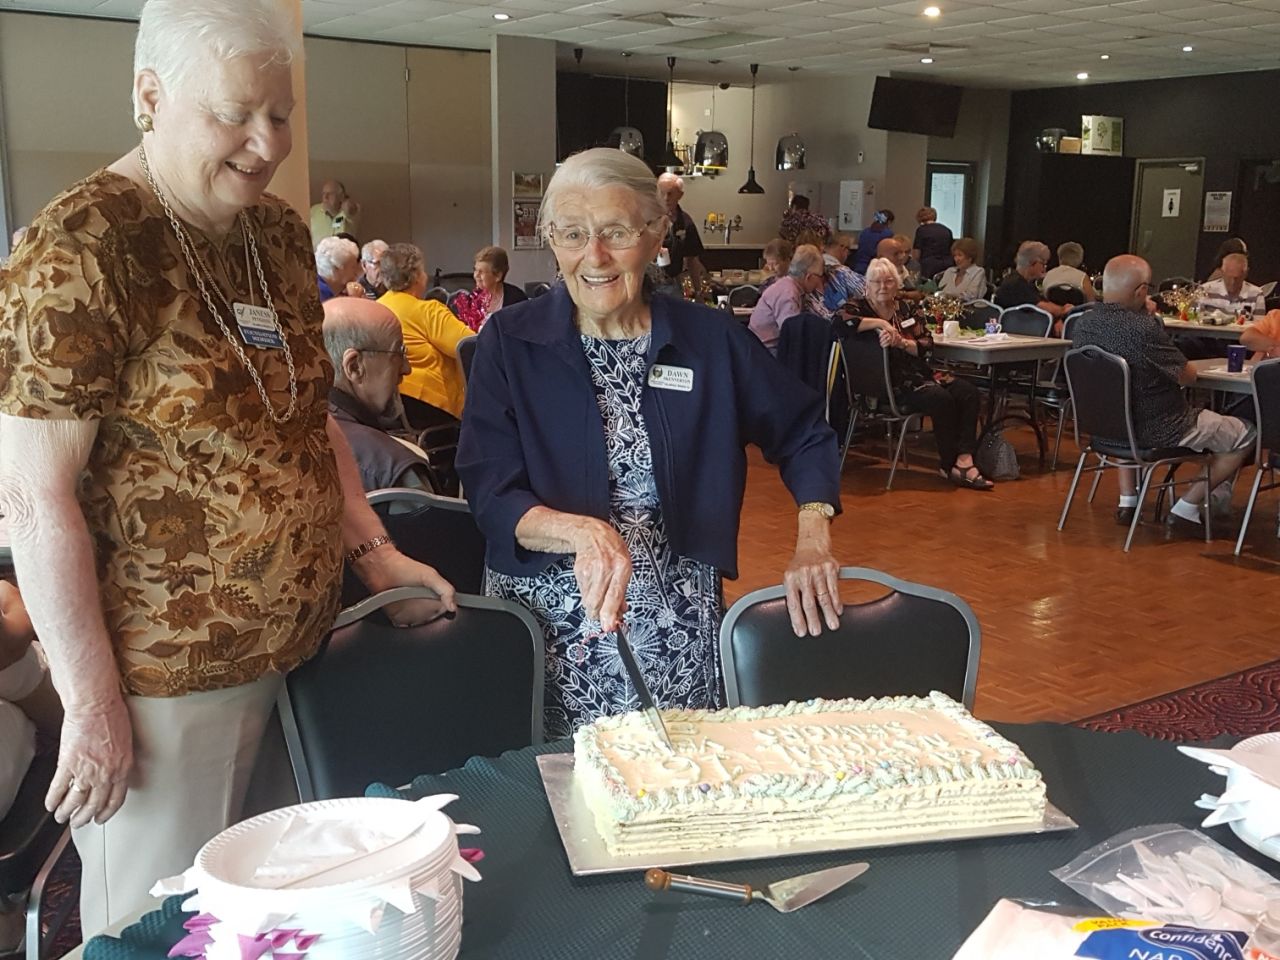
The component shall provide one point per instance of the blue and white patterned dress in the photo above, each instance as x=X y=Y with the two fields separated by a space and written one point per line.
x=674 y=604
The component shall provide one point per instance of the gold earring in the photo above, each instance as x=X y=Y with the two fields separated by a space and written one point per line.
x=144 y=123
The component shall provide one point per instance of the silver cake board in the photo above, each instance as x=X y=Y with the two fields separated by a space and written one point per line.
x=588 y=854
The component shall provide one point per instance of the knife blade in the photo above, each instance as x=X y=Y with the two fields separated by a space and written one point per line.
x=647 y=704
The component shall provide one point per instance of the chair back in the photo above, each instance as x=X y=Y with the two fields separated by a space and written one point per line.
x=536 y=288
x=1026 y=320
x=1266 y=404
x=746 y=295
x=977 y=313
x=911 y=641
x=466 y=353
x=439 y=294
x=28 y=832
x=1168 y=283
x=1064 y=294
x=865 y=364
x=387 y=703
x=804 y=348
x=1099 y=385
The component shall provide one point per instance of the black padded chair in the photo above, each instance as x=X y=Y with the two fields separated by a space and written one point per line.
x=977 y=313
x=1057 y=396
x=439 y=294
x=1026 y=320
x=1103 y=403
x=1065 y=295
x=1266 y=404
x=804 y=348
x=746 y=295
x=910 y=641
x=435 y=530
x=382 y=703
x=866 y=369
x=537 y=288
x=466 y=353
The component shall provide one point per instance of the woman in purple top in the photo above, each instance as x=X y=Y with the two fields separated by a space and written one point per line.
x=785 y=298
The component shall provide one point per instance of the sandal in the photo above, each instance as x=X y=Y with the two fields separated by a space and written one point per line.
x=970 y=478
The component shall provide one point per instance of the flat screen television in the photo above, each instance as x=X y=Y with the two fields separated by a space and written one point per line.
x=915 y=106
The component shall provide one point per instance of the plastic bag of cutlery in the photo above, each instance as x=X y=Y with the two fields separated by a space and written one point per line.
x=1174 y=875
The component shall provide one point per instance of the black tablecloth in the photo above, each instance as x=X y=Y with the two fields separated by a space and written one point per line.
x=915 y=903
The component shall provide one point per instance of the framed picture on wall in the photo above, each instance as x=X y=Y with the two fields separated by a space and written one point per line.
x=526 y=186
x=525 y=224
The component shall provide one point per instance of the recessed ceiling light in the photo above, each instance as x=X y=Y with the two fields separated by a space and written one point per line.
x=932 y=12
x=1188 y=48
x=1082 y=76
x=502 y=16
x=1105 y=56
x=926 y=59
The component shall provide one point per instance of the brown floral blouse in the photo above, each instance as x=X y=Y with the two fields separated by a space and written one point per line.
x=216 y=531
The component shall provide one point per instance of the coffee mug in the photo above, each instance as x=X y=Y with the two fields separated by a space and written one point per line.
x=993 y=326
x=950 y=328
x=1235 y=357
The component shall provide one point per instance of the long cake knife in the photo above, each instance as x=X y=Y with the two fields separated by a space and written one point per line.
x=634 y=674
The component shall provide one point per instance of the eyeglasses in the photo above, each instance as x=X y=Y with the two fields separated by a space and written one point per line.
x=402 y=351
x=615 y=236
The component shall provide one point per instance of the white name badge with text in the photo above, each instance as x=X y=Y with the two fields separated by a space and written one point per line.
x=671 y=378
x=908 y=322
x=257 y=327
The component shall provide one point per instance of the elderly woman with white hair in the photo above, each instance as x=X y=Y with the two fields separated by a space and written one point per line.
x=603 y=454
x=179 y=499
x=338 y=268
x=950 y=404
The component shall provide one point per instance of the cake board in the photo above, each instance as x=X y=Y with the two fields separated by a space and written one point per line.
x=588 y=854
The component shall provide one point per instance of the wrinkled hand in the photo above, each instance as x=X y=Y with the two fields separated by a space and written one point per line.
x=890 y=337
x=94 y=760
x=16 y=632
x=350 y=207
x=394 y=569
x=602 y=565
x=813 y=590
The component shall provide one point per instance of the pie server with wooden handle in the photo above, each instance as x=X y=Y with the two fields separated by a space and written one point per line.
x=784 y=896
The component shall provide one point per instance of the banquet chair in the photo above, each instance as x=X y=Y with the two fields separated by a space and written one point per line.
x=1056 y=395
x=804 y=348
x=866 y=369
x=910 y=641
x=466 y=353
x=31 y=842
x=746 y=295
x=1064 y=294
x=977 y=313
x=439 y=294
x=536 y=288
x=387 y=703
x=1102 y=397
x=1026 y=320
x=1265 y=377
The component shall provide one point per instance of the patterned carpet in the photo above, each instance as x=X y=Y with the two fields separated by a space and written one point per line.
x=1238 y=705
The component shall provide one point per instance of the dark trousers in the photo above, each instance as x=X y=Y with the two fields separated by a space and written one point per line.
x=952 y=408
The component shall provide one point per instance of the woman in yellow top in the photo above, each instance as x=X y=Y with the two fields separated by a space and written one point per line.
x=431 y=335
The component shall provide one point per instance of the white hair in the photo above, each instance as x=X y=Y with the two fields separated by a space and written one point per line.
x=1029 y=252
x=803 y=260
x=177 y=39
x=333 y=254
x=372 y=250
x=883 y=265
x=597 y=169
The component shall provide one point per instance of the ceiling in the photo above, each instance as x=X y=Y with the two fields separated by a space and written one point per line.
x=1011 y=43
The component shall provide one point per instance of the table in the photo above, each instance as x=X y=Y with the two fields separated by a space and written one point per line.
x=1227 y=331
x=915 y=903
x=992 y=353
x=1211 y=374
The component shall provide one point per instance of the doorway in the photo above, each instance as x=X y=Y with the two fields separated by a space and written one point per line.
x=948 y=189
x=1167 y=200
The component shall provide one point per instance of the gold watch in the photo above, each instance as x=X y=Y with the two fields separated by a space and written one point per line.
x=817 y=506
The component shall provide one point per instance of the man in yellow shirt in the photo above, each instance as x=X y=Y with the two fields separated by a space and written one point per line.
x=335 y=213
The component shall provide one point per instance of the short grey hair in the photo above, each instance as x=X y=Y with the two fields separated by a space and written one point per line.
x=1070 y=254
x=177 y=39
x=334 y=253
x=372 y=250
x=401 y=262
x=804 y=260
x=1029 y=252
x=597 y=169
x=883 y=265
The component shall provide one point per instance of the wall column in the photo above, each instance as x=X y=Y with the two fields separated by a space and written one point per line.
x=291 y=181
x=523 y=114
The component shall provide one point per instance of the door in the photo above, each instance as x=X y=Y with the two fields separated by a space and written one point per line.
x=948 y=191
x=1167 y=202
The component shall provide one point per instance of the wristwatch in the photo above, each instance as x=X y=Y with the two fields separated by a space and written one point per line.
x=817 y=506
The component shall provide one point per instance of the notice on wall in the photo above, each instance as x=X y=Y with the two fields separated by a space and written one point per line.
x=526 y=198
x=1171 y=206
x=1217 y=211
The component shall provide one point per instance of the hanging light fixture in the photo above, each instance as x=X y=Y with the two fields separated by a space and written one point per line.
x=670 y=159
x=712 y=149
x=790 y=153
x=630 y=140
x=751 y=186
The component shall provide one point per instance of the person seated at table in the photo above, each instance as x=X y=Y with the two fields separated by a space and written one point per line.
x=932 y=244
x=1225 y=248
x=1019 y=287
x=892 y=249
x=842 y=284
x=788 y=297
x=777 y=261
x=434 y=385
x=338 y=268
x=490 y=274
x=967 y=280
x=950 y=404
x=607 y=497
x=1124 y=325
x=1231 y=293
x=1068 y=273
x=371 y=280
x=881 y=226
x=366 y=345
x=1263 y=336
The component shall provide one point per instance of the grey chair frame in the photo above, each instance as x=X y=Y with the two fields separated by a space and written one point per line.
x=357 y=612
x=1146 y=468
x=745 y=288
x=871 y=575
x=418 y=498
x=439 y=294
x=898 y=421
x=1259 y=466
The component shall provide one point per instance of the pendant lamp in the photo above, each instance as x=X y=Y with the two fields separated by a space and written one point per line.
x=751 y=186
x=630 y=140
x=711 y=152
x=669 y=158
x=790 y=153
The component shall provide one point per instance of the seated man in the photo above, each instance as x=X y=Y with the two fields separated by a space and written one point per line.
x=1124 y=324
x=370 y=279
x=366 y=346
x=1020 y=288
x=790 y=296
x=1231 y=293
x=841 y=284
x=337 y=268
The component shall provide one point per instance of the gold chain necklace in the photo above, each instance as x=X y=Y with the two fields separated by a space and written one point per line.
x=204 y=280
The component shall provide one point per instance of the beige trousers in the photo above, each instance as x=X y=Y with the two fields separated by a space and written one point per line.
x=193 y=758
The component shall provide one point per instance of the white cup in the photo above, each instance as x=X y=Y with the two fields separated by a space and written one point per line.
x=950 y=328
x=722 y=301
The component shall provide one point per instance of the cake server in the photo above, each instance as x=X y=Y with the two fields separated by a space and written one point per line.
x=630 y=664
x=784 y=896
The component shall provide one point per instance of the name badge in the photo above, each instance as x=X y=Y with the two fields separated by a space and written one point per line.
x=908 y=322
x=671 y=378
x=257 y=329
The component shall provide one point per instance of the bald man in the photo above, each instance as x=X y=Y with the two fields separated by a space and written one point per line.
x=335 y=213
x=1231 y=293
x=1125 y=325
x=683 y=244
x=365 y=343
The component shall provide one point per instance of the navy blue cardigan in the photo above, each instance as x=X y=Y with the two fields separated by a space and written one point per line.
x=532 y=434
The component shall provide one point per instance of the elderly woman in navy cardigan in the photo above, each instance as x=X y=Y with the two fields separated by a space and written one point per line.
x=602 y=452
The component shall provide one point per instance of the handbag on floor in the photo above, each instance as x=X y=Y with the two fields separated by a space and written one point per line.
x=995 y=457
